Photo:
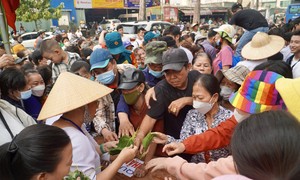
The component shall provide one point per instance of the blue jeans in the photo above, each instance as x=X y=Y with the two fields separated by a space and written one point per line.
x=247 y=37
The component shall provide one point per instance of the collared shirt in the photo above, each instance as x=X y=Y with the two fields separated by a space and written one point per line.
x=63 y=67
x=195 y=123
x=209 y=49
x=105 y=114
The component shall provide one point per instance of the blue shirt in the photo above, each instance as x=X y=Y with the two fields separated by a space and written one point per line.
x=125 y=56
x=33 y=106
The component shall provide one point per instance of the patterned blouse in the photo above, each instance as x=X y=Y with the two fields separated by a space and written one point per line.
x=195 y=123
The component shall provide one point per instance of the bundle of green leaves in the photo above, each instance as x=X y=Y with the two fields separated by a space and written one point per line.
x=126 y=141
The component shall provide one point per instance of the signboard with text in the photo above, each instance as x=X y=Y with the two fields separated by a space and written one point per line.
x=128 y=168
x=170 y=14
x=136 y=3
x=86 y=4
x=108 y=3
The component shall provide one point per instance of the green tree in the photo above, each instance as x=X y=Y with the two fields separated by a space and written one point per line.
x=35 y=10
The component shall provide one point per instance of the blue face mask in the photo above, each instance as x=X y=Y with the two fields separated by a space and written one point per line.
x=157 y=74
x=92 y=78
x=26 y=94
x=107 y=77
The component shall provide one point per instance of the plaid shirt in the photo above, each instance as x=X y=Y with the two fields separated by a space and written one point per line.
x=63 y=67
x=105 y=115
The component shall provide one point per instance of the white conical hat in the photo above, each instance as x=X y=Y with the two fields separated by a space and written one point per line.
x=69 y=92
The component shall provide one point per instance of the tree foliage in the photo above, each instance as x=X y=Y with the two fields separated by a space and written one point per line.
x=35 y=10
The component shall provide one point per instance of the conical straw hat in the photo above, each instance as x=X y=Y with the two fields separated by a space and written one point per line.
x=69 y=92
x=262 y=46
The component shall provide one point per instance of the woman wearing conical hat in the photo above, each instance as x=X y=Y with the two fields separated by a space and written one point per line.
x=76 y=99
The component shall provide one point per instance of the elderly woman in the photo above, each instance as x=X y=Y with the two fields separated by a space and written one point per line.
x=66 y=98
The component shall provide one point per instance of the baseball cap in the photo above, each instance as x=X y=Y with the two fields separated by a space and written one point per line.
x=131 y=78
x=174 y=59
x=114 y=43
x=100 y=58
x=127 y=43
x=154 y=51
x=150 y=35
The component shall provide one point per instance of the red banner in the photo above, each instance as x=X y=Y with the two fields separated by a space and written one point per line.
x=10 y=6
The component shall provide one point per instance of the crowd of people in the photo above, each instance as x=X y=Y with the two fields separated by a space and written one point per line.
x=226 y=104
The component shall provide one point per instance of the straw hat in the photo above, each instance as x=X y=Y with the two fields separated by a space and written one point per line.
x=258 y=93
x=289 y=90
x=236 y=74
x=262 y=46
x=69 y=92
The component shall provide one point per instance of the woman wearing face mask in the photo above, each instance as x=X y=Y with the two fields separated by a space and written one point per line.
x=223 y=59
x=36 y=83
x=230 y=81
x=66 y=98
x=202 y=63
x=133 y=89
x=206 y=115
x=13 y=87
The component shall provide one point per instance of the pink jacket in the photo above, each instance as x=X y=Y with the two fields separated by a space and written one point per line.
x=183 y=170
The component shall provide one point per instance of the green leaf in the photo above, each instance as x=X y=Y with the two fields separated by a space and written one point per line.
x=124 y=141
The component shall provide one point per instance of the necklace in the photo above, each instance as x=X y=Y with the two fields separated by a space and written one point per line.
x=66 y=119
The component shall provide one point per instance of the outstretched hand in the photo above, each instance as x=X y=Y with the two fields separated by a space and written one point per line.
x=174 y=148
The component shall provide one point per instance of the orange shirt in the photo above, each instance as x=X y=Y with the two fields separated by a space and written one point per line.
x=214 y=138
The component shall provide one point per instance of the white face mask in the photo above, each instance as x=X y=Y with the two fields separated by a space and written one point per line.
x=202 y=107
x=38 y=90
x=239 y=117
x=225 y=92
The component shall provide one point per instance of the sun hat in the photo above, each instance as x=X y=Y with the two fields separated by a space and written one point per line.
x=150 y=35
x=262 y=46
x=258 y=93
x=199 y=37
x=236 y=74
x=114 y=43
x=154 y=51
x=289 y=89
x=127 y=43
x=131 y=78
x=69 y=92
x=226 y=31
x=174 y=59
x=100 y=58
x=194 y=24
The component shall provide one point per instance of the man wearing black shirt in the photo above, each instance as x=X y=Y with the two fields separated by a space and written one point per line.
x=173 y=94
x=252 y=21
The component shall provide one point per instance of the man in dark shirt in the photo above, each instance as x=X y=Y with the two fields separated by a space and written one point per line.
x=173 y=94
x=252 y=21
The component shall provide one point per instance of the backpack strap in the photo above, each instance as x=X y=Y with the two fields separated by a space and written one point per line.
x=6 y=125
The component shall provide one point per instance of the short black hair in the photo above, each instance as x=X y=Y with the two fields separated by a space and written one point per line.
x=120 y=26
x=210 y=83
x=46 y=73
x=172 y=30
x=296 y=33
x=211 y=33
x=11 y=79
x=77 y=65
x=141 y=29
x=235 y=7
x=36 y=56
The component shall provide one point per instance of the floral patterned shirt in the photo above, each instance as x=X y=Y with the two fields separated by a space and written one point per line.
x=195 y=123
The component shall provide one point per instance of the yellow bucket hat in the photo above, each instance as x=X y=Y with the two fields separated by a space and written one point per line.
x=70 y=92
x=289 y=90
